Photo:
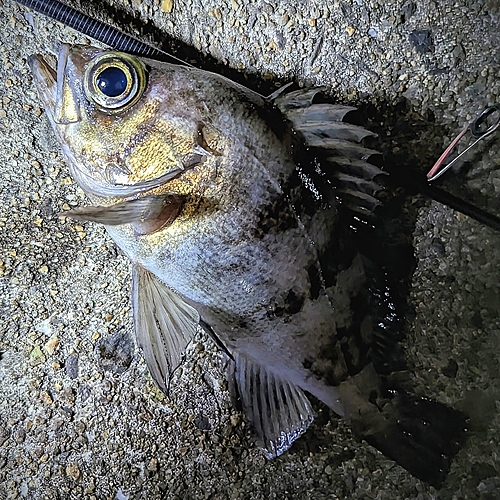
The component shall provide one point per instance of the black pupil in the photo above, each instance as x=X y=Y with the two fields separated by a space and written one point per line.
x=112 y=81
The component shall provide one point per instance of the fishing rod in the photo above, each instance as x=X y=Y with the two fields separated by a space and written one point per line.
x=98 y=30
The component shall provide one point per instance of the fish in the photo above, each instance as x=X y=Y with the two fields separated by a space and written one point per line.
x=231 y=207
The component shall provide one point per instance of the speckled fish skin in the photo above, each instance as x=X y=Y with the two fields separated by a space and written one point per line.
x=238 y=250
x=257 y=254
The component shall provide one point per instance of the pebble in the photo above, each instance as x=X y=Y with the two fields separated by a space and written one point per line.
x=67 y=396
x=71 y=366
x=52 y=345
x=73 y=471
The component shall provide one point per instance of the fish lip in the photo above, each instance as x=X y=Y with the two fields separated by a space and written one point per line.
x=45 y=78
x=57 y=94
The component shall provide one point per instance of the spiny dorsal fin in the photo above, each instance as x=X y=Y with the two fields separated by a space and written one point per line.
x=335 y=130
x=164 y=325
x=326 y=130
x=297 y=99
x=278 y=411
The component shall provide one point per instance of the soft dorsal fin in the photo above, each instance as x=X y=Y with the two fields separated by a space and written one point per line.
x=278 y=411
x=164 y=325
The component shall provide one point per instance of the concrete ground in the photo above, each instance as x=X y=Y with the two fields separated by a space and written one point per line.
x=79 y=414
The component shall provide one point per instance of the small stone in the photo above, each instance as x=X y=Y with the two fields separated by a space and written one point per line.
x=19 y=435
x=71 y=366
x=36 y=355
x=67 y=396
x=79 y=427
x=46 y=398
x=328 y=470
x=422 y=41
x=272 y=45
x=153 y=464
x=350 y=30
x=202 y=422
x=43 y=270
x=451 y=369
x=51 y=345
x=73 y=471
x=167 y=6
x=284 y=19
x=4 y=434
x=115 y=353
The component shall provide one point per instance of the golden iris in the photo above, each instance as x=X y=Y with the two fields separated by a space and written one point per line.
x=114 y=81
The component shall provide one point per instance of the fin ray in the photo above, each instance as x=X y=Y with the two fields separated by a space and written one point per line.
x=278 y=411
x=164 y=325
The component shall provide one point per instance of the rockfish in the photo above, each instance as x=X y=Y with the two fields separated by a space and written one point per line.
x=208 y=188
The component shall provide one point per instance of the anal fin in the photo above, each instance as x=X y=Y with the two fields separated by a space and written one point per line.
x=278 y=411
x=164 y=325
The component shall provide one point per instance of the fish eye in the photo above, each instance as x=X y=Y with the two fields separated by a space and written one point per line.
x=114 y=81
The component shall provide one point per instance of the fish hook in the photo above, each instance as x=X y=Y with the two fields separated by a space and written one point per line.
x=477 y=130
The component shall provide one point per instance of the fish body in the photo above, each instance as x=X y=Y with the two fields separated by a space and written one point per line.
x=205 y=187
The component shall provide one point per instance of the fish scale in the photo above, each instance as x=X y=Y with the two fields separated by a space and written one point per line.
x=244 y=235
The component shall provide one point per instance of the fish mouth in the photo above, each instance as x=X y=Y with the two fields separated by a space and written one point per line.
x=45 y=80
x=58 y=94
x=56 y=91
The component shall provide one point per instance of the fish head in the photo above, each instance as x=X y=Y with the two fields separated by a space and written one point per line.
x=109 y=111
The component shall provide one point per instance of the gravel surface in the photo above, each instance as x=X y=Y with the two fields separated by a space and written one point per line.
x=79 y=414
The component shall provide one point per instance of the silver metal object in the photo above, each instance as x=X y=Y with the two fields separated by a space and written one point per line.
x=477 y=130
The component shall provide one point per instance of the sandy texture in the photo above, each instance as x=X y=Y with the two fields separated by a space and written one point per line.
x=79 y=415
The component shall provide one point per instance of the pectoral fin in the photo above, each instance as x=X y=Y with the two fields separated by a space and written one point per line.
x=148 y=214
x=164 y=325
x=278 y=410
